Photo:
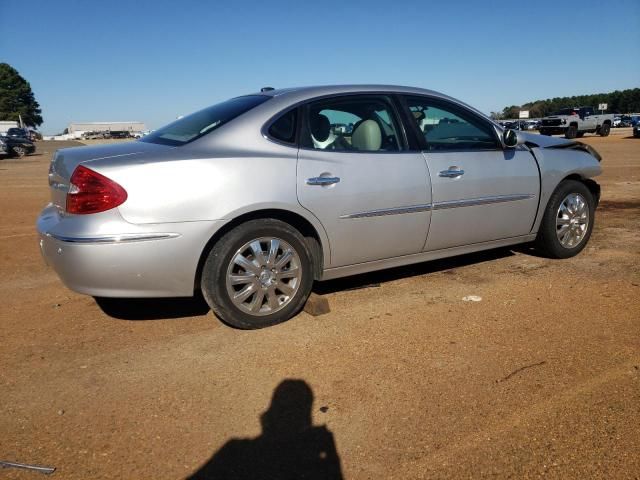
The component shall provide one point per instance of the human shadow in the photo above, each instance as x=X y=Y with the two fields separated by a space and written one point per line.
x=290 y=446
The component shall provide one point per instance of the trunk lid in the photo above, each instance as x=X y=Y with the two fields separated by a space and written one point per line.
x=66 y=160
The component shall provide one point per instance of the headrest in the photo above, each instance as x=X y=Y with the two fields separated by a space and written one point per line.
x=320 y=127
x=367 y=136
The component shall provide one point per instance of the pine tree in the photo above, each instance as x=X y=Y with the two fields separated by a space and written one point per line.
x=16 y=98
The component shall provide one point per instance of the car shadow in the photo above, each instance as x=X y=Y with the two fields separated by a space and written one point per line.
x=153 y=308
x=375 y=279
x=290 y=446
x=170 y=308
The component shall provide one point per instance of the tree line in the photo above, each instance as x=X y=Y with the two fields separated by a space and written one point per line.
x=619 y=101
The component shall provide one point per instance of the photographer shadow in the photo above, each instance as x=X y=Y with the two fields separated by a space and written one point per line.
x=289 y=446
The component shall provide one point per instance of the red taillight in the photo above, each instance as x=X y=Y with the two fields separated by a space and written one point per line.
x=91 y=192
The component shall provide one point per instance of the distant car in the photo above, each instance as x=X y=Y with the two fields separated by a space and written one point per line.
x=636 y=130
x=251 y=200
x=4 y=152
x=136 y=134
x=122 y=134
x=17 y=146
x=575 y=122
x=92 y=135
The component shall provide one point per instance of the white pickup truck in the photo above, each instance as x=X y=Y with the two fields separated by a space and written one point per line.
x=575 y=122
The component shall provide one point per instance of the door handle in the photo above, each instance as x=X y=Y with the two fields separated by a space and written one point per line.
x=322 y=181
x=452 y=172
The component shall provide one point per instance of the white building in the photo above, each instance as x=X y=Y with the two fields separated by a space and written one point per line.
x=6 y=125
x=80 y=127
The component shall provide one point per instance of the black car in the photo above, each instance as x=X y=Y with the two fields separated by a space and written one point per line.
x=16 y=146
x=636 y=130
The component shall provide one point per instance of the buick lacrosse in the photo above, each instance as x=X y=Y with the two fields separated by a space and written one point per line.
x=252 y=200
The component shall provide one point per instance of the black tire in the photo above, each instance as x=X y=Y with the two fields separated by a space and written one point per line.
x=605 y=129
x=571 y=132
x=580 y=134
x=219 y=261
x=547 y=241
x=19 y=151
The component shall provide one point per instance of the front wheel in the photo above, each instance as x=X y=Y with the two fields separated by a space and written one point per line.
x=568 y=220
x=19 y=151
x=258 y=274
x=571 y=132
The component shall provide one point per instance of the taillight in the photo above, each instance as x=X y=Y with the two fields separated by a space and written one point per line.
x=91 y=192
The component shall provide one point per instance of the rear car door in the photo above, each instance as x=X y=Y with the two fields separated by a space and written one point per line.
x=356 y=175
x=480 y=191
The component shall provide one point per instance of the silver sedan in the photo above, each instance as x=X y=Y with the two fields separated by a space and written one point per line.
x=251 y=200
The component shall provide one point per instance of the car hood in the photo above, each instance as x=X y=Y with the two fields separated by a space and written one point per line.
x=544 y=141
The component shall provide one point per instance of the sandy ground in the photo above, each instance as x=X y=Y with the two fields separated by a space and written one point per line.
x=539 y=379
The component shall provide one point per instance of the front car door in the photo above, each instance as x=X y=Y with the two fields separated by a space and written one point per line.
x=480 y=191
x=356 y=175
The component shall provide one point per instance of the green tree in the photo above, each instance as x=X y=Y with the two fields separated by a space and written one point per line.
x=16 y=98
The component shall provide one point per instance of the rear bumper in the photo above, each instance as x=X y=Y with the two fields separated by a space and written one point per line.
x=128 y=260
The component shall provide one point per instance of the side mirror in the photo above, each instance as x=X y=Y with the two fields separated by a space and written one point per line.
x=510 y=138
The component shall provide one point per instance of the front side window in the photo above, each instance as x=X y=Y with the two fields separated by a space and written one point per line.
x=448 y=127
x=351 y=124
x=196 y=125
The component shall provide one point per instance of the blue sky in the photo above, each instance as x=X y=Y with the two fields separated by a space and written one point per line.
x=155 y=60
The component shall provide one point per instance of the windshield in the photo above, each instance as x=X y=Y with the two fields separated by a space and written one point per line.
x=565 y=111
x=196 y=125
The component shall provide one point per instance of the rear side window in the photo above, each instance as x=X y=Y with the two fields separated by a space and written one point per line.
x=196 y=125
x=284 y=128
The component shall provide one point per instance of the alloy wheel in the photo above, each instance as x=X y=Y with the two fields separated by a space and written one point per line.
x=572 y=220
x=263 y=276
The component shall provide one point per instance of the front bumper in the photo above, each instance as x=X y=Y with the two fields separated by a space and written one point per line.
x=555 y=130
x=109 y=257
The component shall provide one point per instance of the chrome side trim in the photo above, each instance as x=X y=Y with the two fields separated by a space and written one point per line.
x=438 y=206
x=122 y=238
x=480 y=201
x=389 y=211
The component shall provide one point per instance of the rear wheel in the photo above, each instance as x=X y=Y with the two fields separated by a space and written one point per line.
x=568 y=220
x=571 y=132
x=257 y=275
x=605 y=129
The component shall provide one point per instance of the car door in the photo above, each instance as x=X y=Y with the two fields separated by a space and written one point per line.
x=356 y=175
x=480 y=191
x=589 y=120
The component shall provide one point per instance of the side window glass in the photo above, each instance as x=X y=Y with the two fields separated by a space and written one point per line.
x=450 y=128
x=284 y=128
x=351 y=124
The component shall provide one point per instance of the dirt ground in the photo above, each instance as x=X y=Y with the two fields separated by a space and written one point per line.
x=402 y=380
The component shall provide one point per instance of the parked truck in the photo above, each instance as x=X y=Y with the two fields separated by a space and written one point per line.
x=575 y=122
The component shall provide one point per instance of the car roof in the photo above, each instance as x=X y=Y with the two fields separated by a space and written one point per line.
x=293 y=95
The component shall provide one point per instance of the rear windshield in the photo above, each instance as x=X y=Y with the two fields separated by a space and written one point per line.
x=196 y=125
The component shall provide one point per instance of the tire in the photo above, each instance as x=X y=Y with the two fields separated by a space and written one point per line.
x=580 y=134
x=604 y=130
x=240 y=263
x=558 y=215
x=571 y=132
x=19 y=151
